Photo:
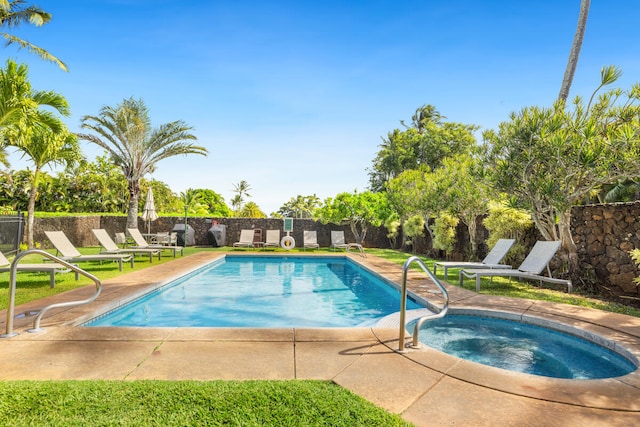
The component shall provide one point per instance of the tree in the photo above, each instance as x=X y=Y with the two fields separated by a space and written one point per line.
x=299 y=207
x=44 y=147
x=14 y=13
x=18 y=101
x=242 y=193
x=214 y=203
x=125 y=132
x=38 y=133
x=252 y=210
x=415 y=192
x=574 y=54
x=425 y=144
x=464 y=192
x=359 y=210
x=552 y=158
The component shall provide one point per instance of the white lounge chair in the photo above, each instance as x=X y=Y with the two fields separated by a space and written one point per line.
x=537 y=260
x=246 y=239
x=141 y=243
x=110 y=247
x=69 y=253
x=51 y=268
x=310 y=240
x=492 y=260
x=273 y=239
x=337 y=240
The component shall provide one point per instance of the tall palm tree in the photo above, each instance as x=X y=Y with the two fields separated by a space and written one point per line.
x=125 y=132
x=572 y=63
x=16 y=12
x=45 y=147
x=38 y=134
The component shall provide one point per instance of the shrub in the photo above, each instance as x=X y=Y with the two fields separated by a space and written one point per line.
x=506 y=222
x=444 y=232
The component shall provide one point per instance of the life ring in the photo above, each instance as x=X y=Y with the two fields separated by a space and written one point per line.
x=288 y=243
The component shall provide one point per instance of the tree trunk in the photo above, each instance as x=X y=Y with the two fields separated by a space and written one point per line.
x=568 y=245
x=31 y=209
x=134 y=194
x=574 y=54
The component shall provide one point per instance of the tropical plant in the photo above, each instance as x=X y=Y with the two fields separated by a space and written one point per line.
x=426 y=143
x=299 y=207
x=241 y=191
x=444 y=232
x=574 y=54
x=508 y=222
x=552 y=158
x=251 y=210
x=214 y=203
x=125 y=132
x=415 y=192
x=38 y=133
x=359 y=210
x=14 y=13
x=45 y=147
x=413 y=227
x=463 y=191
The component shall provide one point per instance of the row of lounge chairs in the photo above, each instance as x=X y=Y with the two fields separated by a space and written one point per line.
x=310 y=240
x=531 y=268
x=110 y=251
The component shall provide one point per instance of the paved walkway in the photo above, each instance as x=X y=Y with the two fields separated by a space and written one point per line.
x=426 y=387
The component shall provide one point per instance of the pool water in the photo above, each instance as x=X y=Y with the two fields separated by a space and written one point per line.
x=245 y=291
x=522 y=347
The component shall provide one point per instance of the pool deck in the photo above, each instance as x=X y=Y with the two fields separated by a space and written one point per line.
x=425 y=387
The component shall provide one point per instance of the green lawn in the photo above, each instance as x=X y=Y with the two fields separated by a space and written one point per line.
x=186 y=403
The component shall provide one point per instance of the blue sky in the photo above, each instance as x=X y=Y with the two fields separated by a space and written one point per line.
x=294 y=96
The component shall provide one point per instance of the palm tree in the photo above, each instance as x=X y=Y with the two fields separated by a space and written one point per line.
x=572 y=63
x=125 y=132
x=39 y=134
x=14 y=13
x=44 y=147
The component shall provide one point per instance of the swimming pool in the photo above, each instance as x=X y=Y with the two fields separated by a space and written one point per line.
x=259 y=291
x=525 y=347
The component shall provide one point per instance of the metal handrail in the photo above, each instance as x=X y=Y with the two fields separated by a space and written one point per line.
x=358 y=247
x=403 y=303
x=12 y=291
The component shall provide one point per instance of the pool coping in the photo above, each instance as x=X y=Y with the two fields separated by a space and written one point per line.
x=614 y=396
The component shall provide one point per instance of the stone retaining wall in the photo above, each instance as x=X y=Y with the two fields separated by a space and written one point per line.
x=604 y=235
x=78 y=229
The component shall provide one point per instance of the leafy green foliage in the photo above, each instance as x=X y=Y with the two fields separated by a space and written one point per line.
x=136 y=147
x=444 y=230
x=425 y=143
x=359 y=210
x=299 y=207
x=413 y=228
x=553 y=158
x=507 y=222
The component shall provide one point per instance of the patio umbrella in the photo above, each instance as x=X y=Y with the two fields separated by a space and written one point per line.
x=149 y=213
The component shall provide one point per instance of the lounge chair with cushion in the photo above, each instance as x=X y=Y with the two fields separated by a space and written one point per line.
x=273 y=239
x=246 y=239
x=69 y=252
x=110 y=247
x=310 y=240
x=537 y=260
x=337 y=240
x=492 y=260
x=51 y=268
x=141 y=243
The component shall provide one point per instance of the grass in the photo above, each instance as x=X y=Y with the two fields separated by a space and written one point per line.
x=183 y=403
